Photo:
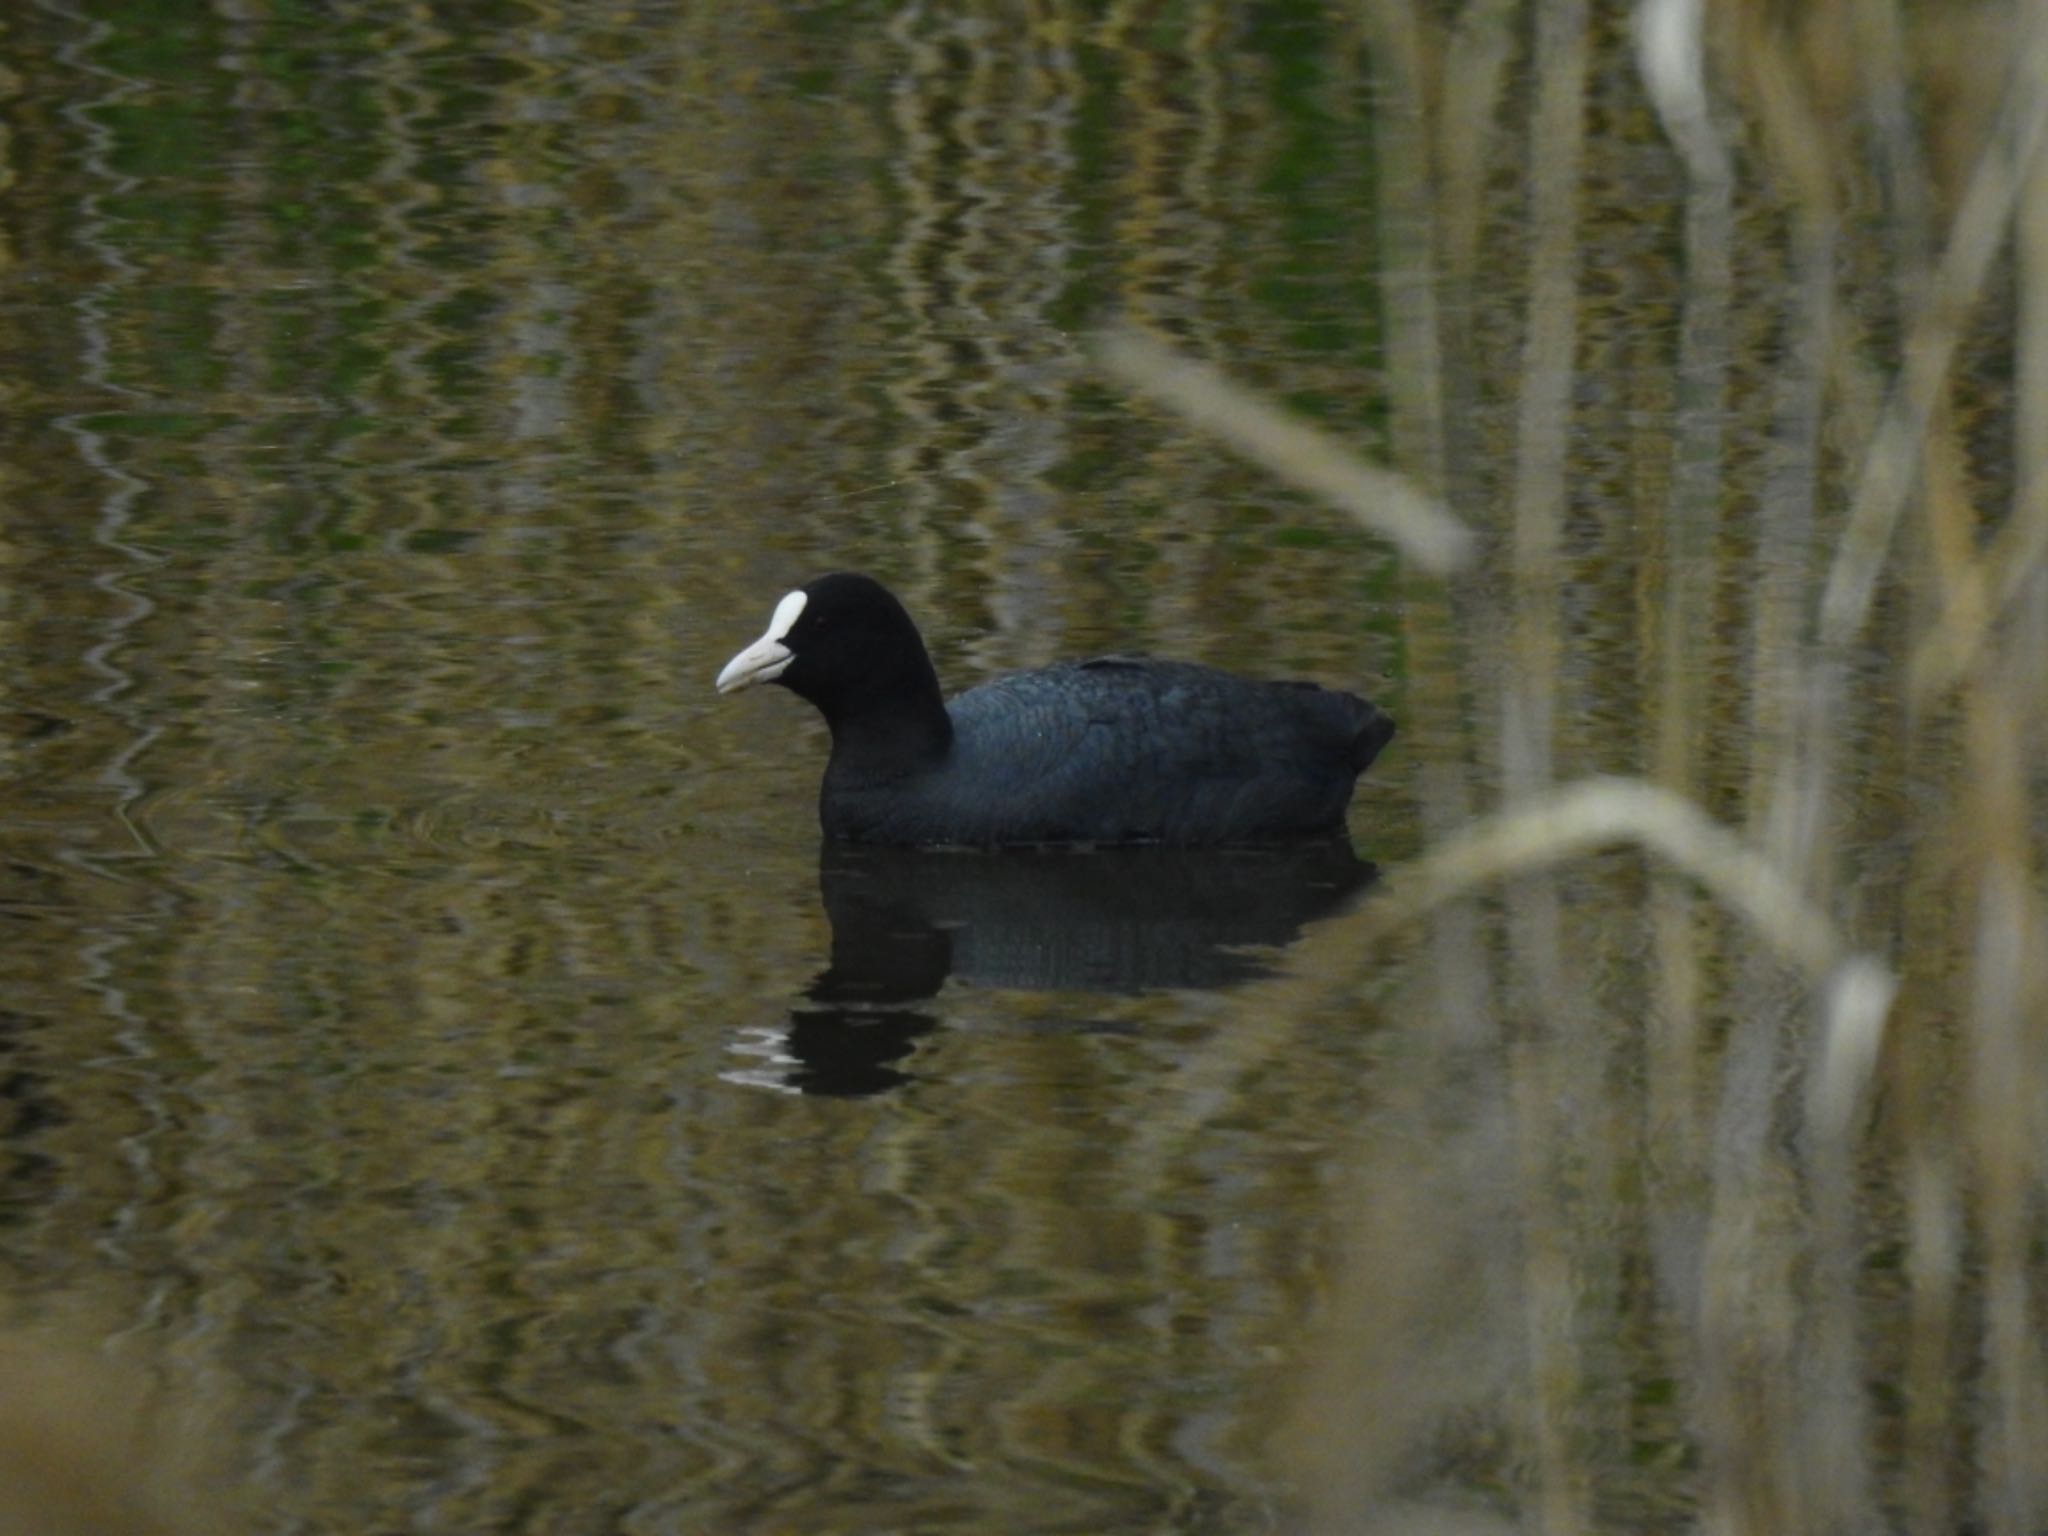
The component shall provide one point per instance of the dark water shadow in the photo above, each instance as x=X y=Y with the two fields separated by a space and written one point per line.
x=1127 y=920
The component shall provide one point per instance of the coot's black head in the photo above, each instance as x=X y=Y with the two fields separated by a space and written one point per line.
x=844 y=643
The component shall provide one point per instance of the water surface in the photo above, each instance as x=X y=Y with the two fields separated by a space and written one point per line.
x=430 y=1024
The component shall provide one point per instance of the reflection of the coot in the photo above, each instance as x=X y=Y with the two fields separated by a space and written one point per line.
x=1111 y=920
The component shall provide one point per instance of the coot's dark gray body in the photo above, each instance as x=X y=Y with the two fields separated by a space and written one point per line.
x=1119 y=750
x=1114 y=750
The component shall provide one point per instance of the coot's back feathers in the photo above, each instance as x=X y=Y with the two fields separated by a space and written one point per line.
x=1119 y=749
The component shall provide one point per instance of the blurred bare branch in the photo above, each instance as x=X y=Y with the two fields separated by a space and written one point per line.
x=1377 y=499
x=1893 y=458
x=1598 y=813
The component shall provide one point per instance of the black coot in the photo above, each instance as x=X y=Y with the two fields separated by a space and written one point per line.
x=1121 y=749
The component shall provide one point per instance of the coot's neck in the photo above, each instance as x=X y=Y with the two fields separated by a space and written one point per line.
x=892 y=725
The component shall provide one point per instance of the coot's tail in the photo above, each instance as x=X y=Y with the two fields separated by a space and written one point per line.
x=1375 y=730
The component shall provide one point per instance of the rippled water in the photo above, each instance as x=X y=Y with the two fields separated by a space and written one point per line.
x=429 y=1021
x=413 y=958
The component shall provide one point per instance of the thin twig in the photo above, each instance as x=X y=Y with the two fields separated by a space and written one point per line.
x=1377 y=499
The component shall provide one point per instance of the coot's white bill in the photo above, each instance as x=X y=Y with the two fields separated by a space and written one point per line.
x=767 y=657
